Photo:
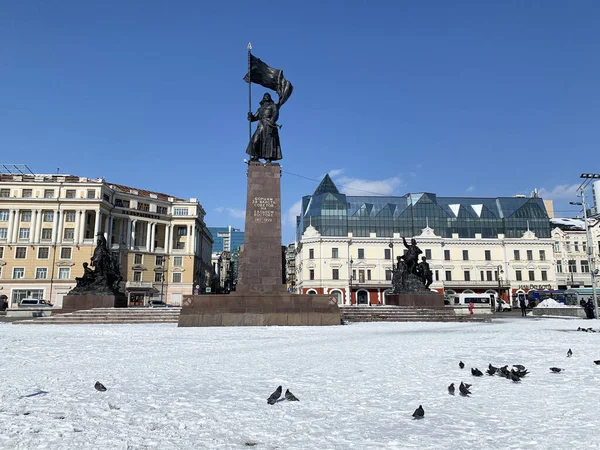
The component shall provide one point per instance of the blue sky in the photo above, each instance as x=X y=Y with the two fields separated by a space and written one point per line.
x=461 y=98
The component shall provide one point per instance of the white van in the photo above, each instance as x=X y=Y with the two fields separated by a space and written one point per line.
x=34 y=303
x=465 y=299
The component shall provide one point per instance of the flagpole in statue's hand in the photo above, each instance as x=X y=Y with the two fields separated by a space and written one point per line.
x=249 y=90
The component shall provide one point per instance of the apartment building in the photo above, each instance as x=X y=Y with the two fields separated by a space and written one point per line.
x=48 y=225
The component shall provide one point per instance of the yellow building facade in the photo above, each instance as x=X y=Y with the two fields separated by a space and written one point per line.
x=48 y=229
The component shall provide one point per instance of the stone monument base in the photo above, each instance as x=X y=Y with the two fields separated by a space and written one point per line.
x=431 y=300
x=259 y=310
x=77 y=302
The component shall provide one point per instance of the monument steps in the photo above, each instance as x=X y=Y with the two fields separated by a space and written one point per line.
x=107 y=316
x=403 y=314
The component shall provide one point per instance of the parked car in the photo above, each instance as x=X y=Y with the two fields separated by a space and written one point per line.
x=34 y=303
x=157 y=304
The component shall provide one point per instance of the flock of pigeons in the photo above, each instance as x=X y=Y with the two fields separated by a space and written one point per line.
x=275 y=396
x=515 y=374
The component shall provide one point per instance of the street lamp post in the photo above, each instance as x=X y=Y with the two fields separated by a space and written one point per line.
x=351 y=276
x=590 y=248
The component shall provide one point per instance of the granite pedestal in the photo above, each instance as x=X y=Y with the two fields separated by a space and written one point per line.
x=261 y=297
x=78 y=302
x=416 y=300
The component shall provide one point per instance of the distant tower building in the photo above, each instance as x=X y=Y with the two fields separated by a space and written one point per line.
x=226 y=239
x=596 y=196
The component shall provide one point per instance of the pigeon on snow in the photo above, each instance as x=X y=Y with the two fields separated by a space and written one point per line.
x=476 y=372
x=597 y=362
x=451 y=389
x=464 y=390
x=556 y=369
x=461 y=365
x=274 y=396
x=419 y=413
x=100 y=387
x=569 y=353
x=290 y=397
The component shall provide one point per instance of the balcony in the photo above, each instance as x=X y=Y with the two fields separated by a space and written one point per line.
x=142 y=285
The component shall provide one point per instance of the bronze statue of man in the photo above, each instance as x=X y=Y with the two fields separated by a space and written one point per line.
x=411 y=256
x=425 y=272
x=265 y=141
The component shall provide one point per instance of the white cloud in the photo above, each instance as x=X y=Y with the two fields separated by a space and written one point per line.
x=471 y=188
x=233 y=212
x=289 y=218
x=560 y=191
x=335 y=172
x=357 y=186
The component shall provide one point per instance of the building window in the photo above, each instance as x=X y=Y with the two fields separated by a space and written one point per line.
x=388 y=275
x=311 y=253
x=3 y=215
x=46 y=234
x=568 y=246
x=91 y=193
x=335 y=274
x=334 y=253
x=65 y=253
x=544 y=275
x=387 y=253
x=48 y=193
x=437 y=275
x=4 y=193
x=18 y=273
x=121 y=203
x=182 y=231
x=556 y=246
x=178 y=261
x=43 y=252
x=428 y=253
x=559 y=266
x=576 y=246
x=69 y=216
x=542 y=255
x=368 y=274
x=354 y=274
x=162 y=209
x=311 y=274
x=178 y=211
x=64 y=273
x=572 y=266
x=583 y=246
x=465 y=255
x=488 y=275
x=531 y=275
x=159 y=261
x=585 y=268
x=20 y=252
x=517 y=255
x=529 y=255
x=27 y=193
x=361 y=253
x=70 y=193
x=137 y=259
x=143 y=206
x=3 y=233
x=69 y=234
x=23 y=233
x=518 y=275
x=447 y=255
x=26 y=216
x=488 y=255
x=158 y=277
x=467 y=275
x=177 y=277
x=48 y=216
x=448 y=275
x=137 y=275
x=41 y=273
x=1 y=252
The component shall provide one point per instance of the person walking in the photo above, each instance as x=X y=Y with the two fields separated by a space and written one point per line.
x=471 y=307
x=523 y=306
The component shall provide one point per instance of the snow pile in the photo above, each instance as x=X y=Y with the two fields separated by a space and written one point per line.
x=358 y=385
x=551 y=303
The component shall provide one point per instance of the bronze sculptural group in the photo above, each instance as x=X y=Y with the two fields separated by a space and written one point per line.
x=410 y=275
x=106 y=275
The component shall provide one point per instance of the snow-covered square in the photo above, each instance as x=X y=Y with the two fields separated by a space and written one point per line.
x=358 y=385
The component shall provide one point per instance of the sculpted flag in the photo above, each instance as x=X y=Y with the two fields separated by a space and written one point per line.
x=266 y=76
